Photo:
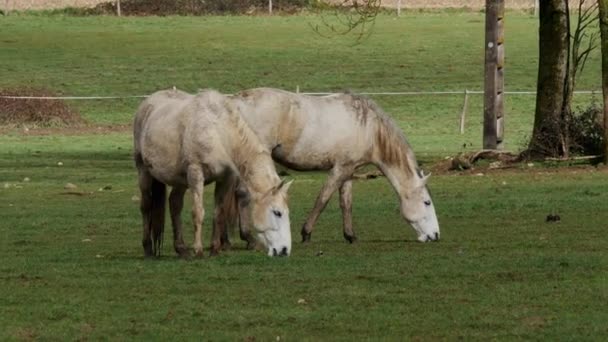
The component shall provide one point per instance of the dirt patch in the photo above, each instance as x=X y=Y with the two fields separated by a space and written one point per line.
x=22 y=5
x=36 y=112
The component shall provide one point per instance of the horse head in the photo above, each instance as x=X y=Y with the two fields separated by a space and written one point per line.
x=270 y=219
x=418 y=209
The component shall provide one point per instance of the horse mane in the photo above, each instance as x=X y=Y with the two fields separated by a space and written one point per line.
x=247 y=146
x=389 y=140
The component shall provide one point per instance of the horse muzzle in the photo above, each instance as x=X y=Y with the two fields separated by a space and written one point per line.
x=429 y=237
x=281 y=252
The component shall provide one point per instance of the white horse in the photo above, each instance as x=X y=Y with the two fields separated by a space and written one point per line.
x=188 y=141
x=339 y=133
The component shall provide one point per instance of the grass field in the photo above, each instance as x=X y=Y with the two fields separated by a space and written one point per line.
x=73 y=267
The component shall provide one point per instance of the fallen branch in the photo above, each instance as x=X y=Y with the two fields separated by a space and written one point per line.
x=574 y=158
x=494 y=155
x=464 y=162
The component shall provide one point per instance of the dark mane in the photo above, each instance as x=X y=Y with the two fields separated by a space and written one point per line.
x=389 y=140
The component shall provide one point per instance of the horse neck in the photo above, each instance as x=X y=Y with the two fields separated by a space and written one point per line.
x=253 y=162
x=393 y=156
x=259 y=173
x=400 y=179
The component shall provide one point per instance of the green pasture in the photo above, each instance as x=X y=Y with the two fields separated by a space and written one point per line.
x=105 y=56
x=73 y=267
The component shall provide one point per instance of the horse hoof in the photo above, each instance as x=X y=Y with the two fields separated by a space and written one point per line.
x=306 y=236
x=214 y=252
x=226 y=246
x=183 y=253
x=350 y=238
x=148 y=250
x=250 y=245
x=199 y=254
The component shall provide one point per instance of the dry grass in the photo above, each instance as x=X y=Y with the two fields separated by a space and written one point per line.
x=20 y=5
x=36 y=112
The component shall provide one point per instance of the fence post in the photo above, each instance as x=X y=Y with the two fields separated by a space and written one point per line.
x=297 y=89
x=398 y=8
x=5 y=7
x=118 y=8
x=270 y=7
x=493 y=107
x=536 y=4
x=464 y=110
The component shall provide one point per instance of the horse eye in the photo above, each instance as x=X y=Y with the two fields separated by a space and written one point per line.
x=427 y=203
x=277 y=213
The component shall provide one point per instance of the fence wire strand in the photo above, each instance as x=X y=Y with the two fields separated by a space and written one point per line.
x=390 y=93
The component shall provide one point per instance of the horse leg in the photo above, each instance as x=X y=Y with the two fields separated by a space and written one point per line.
x=176 y=204
x=196 y=182
x=145 y=207
x=346 y=204
x=230 y=210
x=336 y=177
x=222 y=206
x=243 y=199
x=225 y=243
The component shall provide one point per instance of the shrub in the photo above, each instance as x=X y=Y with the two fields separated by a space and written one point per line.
x=586 y=131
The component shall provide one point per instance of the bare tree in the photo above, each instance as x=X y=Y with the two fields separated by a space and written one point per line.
x=603 y=10
x=559 y=64
x=349 y=16
x=562 y=56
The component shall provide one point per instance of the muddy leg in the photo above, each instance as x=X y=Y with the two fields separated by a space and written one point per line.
x=346 y=204
x=145 y=207
x=220 y=213
x=230 y=210
x=176 y=204
x=196 y=183
x=243 y=198
x=336 y=177
x=225 y=243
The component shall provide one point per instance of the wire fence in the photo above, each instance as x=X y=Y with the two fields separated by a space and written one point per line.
x=466 y=93
x=388 y=93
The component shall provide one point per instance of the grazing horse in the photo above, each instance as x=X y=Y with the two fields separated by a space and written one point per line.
x=339 y=133
x=187 y=141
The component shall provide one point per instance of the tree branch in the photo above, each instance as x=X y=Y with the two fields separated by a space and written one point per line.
x=353 y=16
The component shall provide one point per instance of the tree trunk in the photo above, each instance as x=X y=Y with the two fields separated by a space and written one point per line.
x=549 y=136
x=603 y=6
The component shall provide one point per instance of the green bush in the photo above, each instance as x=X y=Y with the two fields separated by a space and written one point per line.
x=586 y=132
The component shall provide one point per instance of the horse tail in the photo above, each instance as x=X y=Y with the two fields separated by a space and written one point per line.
x=157 y=215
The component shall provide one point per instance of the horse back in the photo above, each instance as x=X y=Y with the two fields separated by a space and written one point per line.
x=158 y=131
x=309 y=132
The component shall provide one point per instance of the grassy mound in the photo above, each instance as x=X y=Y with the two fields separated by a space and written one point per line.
x=36 y=112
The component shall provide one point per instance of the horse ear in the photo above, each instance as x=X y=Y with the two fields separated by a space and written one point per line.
x=425 y=178
x=284 y=187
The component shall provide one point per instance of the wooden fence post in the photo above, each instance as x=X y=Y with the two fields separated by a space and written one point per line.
x=398 y=8
x=465 y=105
x=118 y=8
x=270 y=7
x=493 y=118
